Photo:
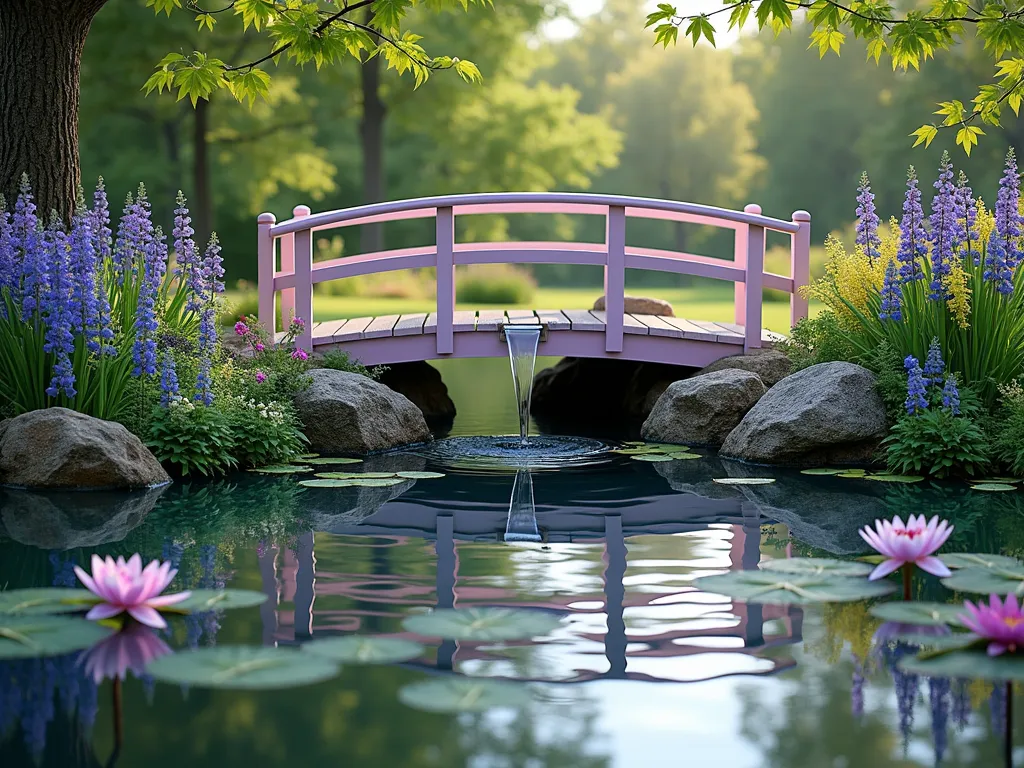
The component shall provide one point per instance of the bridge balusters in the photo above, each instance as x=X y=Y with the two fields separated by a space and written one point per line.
x=265 y=270
x=615 y=276
x=754 y=279
x=288 y=266
x=739 y=259
x=304 y=286
x=445 y=280
x=800 y=266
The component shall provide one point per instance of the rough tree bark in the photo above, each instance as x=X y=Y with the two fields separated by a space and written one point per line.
x=41 y=45
x=371 y=131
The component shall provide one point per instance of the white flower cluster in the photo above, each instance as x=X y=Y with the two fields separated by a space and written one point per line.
x=181 y=403
x=271 y=410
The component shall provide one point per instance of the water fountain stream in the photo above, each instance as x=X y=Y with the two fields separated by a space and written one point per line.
x=522 y=354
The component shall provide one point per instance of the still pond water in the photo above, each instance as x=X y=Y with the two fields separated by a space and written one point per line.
x=645 y=670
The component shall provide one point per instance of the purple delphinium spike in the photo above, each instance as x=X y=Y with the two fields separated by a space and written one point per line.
x=867 y=220
x=99 y=219
x=961 y=709
x=916 y=388
x=857 y=690
x=82 y=264
x=168 y=380
x=134 y=234
x=9 y=269
x=58 y=311
x=943 y=220
x=913 y=243
x=187 y=255
x=997 y=708
x=892 y=295
x=153 y=270
x=25 y=228
x=938 y=699
x=951 y=396
x=934 y=367
x=965 y=228
x=906 y=685
x=212 y=284
x=1004 y=243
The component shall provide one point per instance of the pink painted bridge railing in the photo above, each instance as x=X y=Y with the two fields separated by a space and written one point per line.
x=286 y=267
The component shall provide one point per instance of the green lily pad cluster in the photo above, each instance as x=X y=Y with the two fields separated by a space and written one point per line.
x=366 y=479
x=984 y=574
x=798 y=580
x=863 y=474
x=305 y=464
x=639 y=451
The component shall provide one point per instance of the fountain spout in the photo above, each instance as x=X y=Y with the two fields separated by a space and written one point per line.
x=522 y=354
x=522 y=513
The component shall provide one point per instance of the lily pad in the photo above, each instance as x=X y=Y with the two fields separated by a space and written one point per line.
x=309 y=455
x=821 y=471
x=929 y=614
x=817 y=566
x=992 y=581
x=461 y=694
x=993 y=487
x=652 y=457
x=365 y=650
x=483 y=624
x=634 y=451
x=25 y=637
x=683 y=456
x=974 y=663
x=352 y=483
x=218 y=600
x=23 y=602
x=769 y=587
x=853 y=475
x=281 y=469
x=979 y=560
x=410 y=475
x=744 y=480
x=332 y=460
x=355 y=475
x=894 y=478
x=242 y=667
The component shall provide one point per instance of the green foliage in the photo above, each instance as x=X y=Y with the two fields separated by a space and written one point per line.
x=937 y=443
x=495 y=284
x=191 y=439
x=339 y=360
x=263 y=433
x=818 y=339
x=1008 y=426
x=891 y=380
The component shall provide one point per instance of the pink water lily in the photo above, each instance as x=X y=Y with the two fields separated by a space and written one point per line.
x=131 y=649
x=127 y=587
x=999 y=622
x=911 y=543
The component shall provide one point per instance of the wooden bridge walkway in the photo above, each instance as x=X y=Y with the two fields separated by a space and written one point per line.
x=287 y=271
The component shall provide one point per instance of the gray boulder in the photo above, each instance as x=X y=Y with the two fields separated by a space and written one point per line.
x=349 y=413
x=826 y=414
x=641 y=305
x=770 y=364
x=60 y=448
x=704 y=409
x=422 y=384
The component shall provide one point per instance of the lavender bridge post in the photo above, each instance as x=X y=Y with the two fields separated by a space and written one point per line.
x=286 y=267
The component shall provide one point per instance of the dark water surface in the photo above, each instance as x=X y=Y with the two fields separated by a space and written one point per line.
x=645 y=670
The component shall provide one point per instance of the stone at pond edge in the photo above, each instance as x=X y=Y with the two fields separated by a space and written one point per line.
x=827 y=413
x=771 y=365
x=703 y=410
x=421 y=383
x=60 y=448
x=641 y=305
x=345 y=412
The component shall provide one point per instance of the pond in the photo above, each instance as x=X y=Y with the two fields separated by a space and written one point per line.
x=642 y=670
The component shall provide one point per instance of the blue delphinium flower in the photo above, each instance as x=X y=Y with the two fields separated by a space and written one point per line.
x=961 y=709
x=965 y=229
x=913 y=243
x=916 y=388
x=58 y=311
x=951 y=396
x=168 y=380
x=857 y=690
x=84 y=306
x=934 y=366
x=1003 y=244
x=939 y=700
x=154 y=268
x=25 y=228
x=8 y=259
x=211 y=281
x=892 y=295
x=867 y=220
x=186 y=254
x=943 y=220
x=99 y=219
x=134 y=234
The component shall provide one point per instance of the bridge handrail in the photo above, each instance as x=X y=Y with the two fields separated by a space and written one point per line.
x=298 y=274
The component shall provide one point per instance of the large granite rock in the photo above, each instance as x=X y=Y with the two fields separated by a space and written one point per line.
x=70 y=519
x=60 y=448
x=641 y=305
x=826 y=414
x=704 y=409
x=770 y=364
x=421 y=383
x=349 y=413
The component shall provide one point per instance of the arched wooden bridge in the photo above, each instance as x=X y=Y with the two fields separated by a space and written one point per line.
x=286 y=267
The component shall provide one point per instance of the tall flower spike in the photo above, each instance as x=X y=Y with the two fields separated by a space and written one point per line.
x=951 y=396
x=58 y=311
x=913 y=238
x=9 y=267
x=84 y=307
x=168 y=380
x=211 y=279
x=916 y=401
x=943 y=221
x=867 y=220
x=154 y=268
x=25 y=229
x=892 y=295
x=187 y=255
x=934 y=367
x=965 y=228
x=1004 y=252
x=134 y=234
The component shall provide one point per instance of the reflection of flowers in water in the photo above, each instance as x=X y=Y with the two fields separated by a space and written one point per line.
x=63 y=570
x=131 y=649
x=938 y=699
x=961 y=708
x=906 y=684
x=857 y=689
x=997 y=709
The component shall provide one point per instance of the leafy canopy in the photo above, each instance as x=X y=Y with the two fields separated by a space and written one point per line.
x=304 y=31
x=907 y=38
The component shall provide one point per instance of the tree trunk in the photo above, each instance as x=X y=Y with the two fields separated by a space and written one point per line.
x=41 y=45
x=371 y=130
x=203 y=206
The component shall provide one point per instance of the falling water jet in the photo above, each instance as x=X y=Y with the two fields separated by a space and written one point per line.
x=522 y=513
x=522 y=354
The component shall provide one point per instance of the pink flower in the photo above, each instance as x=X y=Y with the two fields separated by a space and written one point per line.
x=298 y=323
x=260 y=377
x=259 y=346
x=130 y=649
x=911 y=543
x=1001 y=623
x=127 y=587
x=300 y=354
x=241 y=328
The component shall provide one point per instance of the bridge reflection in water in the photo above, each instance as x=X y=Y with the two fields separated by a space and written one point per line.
x=678 y=633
